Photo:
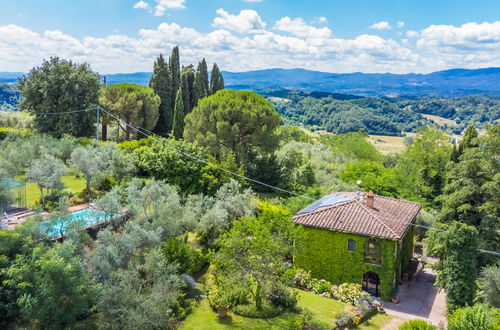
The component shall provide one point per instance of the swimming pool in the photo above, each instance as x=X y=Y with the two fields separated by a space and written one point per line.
x=85 y=218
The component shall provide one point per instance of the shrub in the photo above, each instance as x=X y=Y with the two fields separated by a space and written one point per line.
x=280 y=296
x=417 y=325
x=477 y=317
x=302 y=279
x=345 y=320
x=249 y=310
x=214 y=294
x=180 y=253
x=322 y=287
x=348 y=292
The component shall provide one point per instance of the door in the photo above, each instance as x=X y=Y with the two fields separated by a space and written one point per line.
x=371 y=283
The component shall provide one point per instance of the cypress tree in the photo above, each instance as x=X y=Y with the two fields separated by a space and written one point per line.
x=175 y=72
x=201 y=80
x=190 y=95
x=216 y=80
x=469 y=140
x=178 y=127
x=161 y=82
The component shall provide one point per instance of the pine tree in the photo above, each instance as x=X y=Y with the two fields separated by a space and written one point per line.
x=201 y=80
x=216 y=80
x=178 y=127
x=161 y=82
x=175 y=72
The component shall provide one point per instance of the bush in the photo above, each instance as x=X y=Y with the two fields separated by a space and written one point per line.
x=302 y=279
x=281 y=296
x=322 y=287
x=477 y=317
x=348 y=292
x=417 y=325
x=178 y=252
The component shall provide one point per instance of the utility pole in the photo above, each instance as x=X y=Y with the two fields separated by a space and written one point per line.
x=97 y=108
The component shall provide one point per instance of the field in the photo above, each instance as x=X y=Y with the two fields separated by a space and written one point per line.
x=440 y=120
x=389 y=144
x=323 y=310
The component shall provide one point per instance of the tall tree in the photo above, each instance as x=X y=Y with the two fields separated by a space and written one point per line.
x=458 y=269
x=178 y=127
x=201 y=80
x=46 y=172
x=241 y=122
x=161 y=83
x=175 y=72
x=216 y=80
x=188 y=91
x=469 y=140
x=136 y=105
x=60 y=86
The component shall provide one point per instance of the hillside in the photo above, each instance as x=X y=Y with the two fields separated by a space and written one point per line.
x=448 y=83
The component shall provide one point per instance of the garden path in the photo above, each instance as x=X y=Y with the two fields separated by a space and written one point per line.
x=420 y=299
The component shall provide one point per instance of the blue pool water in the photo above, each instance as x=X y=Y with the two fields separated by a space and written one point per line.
x=83 y=218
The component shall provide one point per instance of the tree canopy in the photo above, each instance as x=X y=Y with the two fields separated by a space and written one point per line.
x=61 y=86
x=240 y=122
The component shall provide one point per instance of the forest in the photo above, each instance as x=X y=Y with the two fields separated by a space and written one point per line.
x=200 y=184
x=341 y=113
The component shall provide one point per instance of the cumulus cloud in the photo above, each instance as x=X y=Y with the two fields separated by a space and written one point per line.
x=382 y=25
x=400 y=24
x=411 y=33
x=141 y=5
x=163 y=5
x=247 y=21
x=323 y=20
x=291 y=44
x=299 y=28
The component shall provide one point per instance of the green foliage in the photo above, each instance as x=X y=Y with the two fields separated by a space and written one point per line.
x=161 y=83
x=46 y=173
x=214 y=178
x=458 y=269
x=178 y=125
x=489 y=285
x=178 y=252
x=175 y=70
x=52 y=286
x=216 y=80
x=374 y=177
x=354 y=144
x=257 y=250
x=472 y=189
x=477 y=317
x=240 y=122
x=417 y=325
x=135 y=104
x=161 y=161
x=201 y=80
x=60 y=86
x=348 y=292
x=15 y=120
x=422 y=166
x=92 y=162
x=325 y=254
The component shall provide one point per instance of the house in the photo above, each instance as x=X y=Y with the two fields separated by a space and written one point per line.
x=357 y=237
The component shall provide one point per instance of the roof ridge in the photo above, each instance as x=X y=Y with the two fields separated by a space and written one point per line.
x=395 y=199
x=375 y=217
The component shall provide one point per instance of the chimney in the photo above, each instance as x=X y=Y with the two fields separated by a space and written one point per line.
x=370 y=199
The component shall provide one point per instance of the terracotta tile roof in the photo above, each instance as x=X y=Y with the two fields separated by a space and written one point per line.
x=345 y=211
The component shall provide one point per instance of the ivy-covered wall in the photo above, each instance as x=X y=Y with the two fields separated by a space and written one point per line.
x=324 y=253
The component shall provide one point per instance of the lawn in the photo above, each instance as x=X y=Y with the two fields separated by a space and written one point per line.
x=71 y=182
x=389 y=144
x=323 y=309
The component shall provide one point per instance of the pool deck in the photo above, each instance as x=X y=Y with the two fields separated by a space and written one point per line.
x=79 y=207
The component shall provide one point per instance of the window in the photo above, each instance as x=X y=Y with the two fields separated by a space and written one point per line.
x=351 y=245
x=372 y=252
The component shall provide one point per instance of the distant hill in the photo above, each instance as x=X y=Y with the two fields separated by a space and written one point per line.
x=448 y=83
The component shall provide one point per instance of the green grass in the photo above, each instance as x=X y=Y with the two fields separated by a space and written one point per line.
x=324 y=310
x=71 y=183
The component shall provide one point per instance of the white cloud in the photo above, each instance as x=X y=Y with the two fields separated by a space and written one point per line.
x=292 y=44
x=382 y=25
x=400 y=24
x=411 y=33
x=299 y=28
x=247 y=21
x=163 y=5
x=323 y=20
x=141 y=5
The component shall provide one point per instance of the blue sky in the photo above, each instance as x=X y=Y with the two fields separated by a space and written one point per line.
x=329 y=35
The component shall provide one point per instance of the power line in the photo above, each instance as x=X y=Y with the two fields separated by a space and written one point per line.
x=60 y=113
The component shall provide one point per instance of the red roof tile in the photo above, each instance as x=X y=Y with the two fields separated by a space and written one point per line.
x=346 y=211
